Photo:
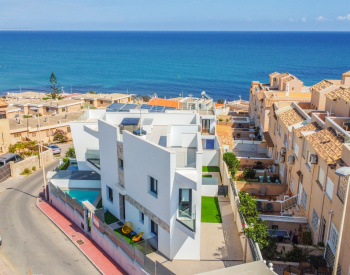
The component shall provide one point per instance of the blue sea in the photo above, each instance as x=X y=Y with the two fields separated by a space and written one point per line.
x=169 y=63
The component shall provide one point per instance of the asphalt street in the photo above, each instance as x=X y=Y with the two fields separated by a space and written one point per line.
x=31 y=242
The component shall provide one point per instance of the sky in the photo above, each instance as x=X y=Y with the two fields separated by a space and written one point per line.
x=180 y=15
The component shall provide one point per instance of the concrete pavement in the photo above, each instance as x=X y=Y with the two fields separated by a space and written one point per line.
x=30 y=241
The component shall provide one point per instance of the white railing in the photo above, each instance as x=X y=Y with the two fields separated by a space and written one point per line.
x=293 y=219
x=288 y=203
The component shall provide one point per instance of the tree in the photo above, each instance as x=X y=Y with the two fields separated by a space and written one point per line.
x=60 y=136
x=92 y=92
x=256 y=229
x=220 y=101
x=71 y=153
x=53 y=86
x=232 y=162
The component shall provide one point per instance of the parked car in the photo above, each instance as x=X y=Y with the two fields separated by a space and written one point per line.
x=6 y=158
x=55 y=148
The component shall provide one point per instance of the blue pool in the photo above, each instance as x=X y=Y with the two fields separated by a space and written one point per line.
x=83 y=195
x=73 y=167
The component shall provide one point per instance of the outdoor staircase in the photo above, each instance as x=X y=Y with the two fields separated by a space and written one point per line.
x=290 y=206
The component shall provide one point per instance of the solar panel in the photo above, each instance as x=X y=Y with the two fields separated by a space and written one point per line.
x=157 y=109
x=130 y=121
x=115 y=107
x=129 y=107
x=169 y=108
x=146 y=107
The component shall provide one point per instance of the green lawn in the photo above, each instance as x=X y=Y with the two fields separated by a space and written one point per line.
x=207 y=176
x=211 y=169
x=109 y=218
x=210 y=210
x=99 y=205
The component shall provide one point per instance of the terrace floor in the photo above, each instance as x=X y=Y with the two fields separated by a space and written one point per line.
x=220 y=246
x=247 y=150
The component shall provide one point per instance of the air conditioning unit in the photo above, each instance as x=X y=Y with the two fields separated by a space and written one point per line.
x=282 y=159
x=313 y=159
x=283 y=151
x=291 y=159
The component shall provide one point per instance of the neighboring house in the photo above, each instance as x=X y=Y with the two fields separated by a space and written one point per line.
x=282 y=87
x=4 y=128
x=151 y=171
x=22 y=129
x=102 y=100
x=309 y=142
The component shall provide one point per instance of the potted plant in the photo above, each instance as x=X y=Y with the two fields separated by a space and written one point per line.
x=238 y=135
x=274 y=198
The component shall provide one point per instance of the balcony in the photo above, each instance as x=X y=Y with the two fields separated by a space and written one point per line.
x=93 y=157
x=186 y=216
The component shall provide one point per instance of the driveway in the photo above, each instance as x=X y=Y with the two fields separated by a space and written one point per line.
x=31 y=243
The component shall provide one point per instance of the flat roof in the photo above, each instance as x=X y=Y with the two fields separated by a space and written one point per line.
x=76 y=175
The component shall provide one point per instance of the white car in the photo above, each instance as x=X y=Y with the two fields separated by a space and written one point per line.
x=55 y=149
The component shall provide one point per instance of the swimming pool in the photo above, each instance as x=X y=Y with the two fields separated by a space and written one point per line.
x=83 y=195
x=73 y=167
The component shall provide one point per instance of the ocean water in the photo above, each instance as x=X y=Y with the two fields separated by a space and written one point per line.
x=169 y=63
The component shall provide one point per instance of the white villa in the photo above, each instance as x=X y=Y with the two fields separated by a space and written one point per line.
x=150 y=160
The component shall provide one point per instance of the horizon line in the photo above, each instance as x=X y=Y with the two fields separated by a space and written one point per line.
x=36 y=30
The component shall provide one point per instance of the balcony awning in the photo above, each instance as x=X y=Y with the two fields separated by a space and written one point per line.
x=268 y=139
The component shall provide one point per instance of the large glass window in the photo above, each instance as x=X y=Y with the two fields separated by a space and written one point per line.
x=296 y=150
x=185 y=202
x=110 y=193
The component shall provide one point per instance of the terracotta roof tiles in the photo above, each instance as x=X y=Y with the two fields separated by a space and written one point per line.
x=340 y=93
x=282 y=75
x=164 y=102
x=309 y=127
x=321 y=85
x=327 y=145
x=346 y=73
x=291 y=117
x=3 y=103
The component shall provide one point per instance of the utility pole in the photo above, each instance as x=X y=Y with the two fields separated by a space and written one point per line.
x=42 y=160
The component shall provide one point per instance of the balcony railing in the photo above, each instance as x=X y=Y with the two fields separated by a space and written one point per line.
x=187 y=216
x=93 y=156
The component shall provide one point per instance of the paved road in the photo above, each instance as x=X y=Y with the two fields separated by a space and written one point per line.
x=30 y=240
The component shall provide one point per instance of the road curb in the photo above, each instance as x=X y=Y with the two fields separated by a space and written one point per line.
x=36 y=204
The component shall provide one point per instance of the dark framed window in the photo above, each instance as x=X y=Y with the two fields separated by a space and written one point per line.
x=110 y=193
x=153 y=186
x=142 y=217
x=154 y=228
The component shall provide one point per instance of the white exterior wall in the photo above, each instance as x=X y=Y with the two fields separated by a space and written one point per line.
x=109 y=165
x=81 y=141
x=210 y=157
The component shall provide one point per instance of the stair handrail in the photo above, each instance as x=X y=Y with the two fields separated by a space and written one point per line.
x=293 y=199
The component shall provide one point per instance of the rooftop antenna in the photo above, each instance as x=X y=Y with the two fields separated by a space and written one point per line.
x=240 y=98
x=155 y=96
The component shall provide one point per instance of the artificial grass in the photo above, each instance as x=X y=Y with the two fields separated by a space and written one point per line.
x=99 y=205
x=109 y=218
x=207 y=176
x=211 y=169
x=127 y=237
x=210 y=210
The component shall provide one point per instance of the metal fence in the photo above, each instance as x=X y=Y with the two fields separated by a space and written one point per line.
x=5 y=172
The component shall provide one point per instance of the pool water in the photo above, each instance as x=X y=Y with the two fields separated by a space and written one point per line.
x=73 y=167
x=83 y=195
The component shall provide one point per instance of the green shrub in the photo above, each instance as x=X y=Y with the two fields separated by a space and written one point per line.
x=297 y=254
x=249 y=173
x=71 y=153
x=306 y=237
x=34 y=168
x=232 y=162
x=320 y=244
x=25 y=171
x=60 y=136
x=65 y=164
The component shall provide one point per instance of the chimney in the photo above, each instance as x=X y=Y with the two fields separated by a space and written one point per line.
x=287 y=90
x=346 y=78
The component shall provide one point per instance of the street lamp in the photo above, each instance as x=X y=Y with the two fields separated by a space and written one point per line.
x=341 y=172
x=42 y=159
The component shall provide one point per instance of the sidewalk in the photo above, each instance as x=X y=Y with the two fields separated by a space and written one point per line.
x=94 y=253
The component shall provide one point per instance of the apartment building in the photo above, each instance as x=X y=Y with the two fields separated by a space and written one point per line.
x=281 y=87
x=150 y=165
x=309 y=145
x=4 y=128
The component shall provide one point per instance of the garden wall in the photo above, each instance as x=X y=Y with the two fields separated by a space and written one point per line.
x=18 y=168
x=272 y=189
x=210 y=158
x=316 y=251
x=251 y=162
x=5 y=172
